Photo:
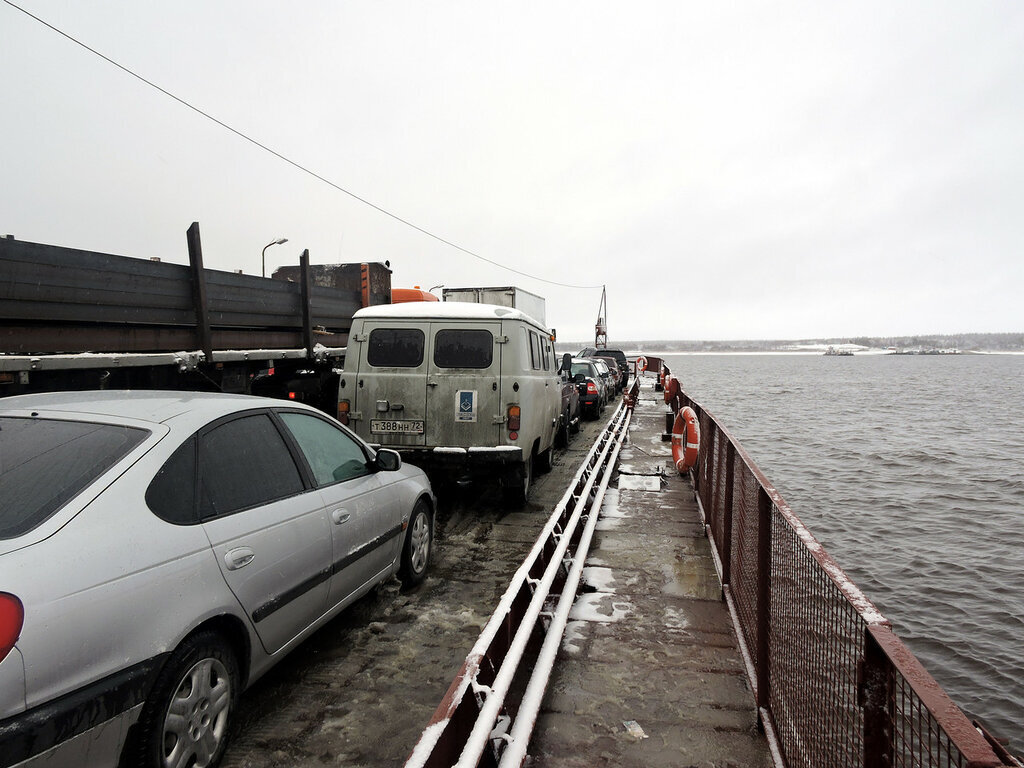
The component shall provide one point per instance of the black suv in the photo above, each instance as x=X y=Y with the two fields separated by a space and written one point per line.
x=618 y=354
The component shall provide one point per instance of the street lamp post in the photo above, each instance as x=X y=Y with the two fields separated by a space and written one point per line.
x=279 y=241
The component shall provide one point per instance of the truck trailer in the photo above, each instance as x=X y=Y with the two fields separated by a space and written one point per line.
x=72 y=319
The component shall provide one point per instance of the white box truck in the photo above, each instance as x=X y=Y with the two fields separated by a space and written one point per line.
x=508 y=296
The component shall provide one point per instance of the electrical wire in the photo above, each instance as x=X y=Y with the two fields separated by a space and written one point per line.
x=288 y=160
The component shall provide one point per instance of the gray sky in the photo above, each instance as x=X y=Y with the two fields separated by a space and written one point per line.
x=728 y=170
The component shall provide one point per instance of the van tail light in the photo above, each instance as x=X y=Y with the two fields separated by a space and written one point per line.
x=591 y=388
x=514 y=420
x=343 y=409
x=12 y=619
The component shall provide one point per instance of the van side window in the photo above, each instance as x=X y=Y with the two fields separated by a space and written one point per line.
x=534 y=351
x=395 y=347
x=471 y=348
x=546 y=346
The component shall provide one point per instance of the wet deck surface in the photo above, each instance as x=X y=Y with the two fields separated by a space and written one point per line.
x=649 y=642
x=649 y=673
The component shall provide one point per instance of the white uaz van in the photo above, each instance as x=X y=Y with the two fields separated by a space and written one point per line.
x=459 y=389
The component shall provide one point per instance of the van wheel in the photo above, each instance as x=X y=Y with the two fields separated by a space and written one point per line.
x=562 y=435
x=518 y=487
x=543 y=461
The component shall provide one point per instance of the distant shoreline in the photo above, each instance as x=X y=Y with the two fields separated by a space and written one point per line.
x=925 y=344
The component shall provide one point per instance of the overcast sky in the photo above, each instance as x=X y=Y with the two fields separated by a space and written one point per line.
x=728 y=170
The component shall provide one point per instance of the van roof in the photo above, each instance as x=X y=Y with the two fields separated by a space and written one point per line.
x=443 y=310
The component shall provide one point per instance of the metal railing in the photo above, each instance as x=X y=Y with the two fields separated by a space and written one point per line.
x=489 y=711
x=834 y=686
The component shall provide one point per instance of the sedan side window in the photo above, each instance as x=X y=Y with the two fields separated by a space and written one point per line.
x=244 y=463
x=172 y=494
x=332 y=455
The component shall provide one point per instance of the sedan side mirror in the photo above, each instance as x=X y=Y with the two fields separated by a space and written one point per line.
x=388 y=460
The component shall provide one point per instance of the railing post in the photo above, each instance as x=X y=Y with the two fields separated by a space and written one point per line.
x=764 y=593
x=874 y=695
x=726 y=546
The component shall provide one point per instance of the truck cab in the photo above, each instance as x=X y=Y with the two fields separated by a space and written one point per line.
x=463 y=390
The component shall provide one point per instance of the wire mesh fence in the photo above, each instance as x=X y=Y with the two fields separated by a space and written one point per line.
x=834 y=686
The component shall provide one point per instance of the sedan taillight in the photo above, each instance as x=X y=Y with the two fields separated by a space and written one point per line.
x=12 y=619
x=591 y=388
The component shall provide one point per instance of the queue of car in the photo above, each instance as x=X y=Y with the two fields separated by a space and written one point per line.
x=161 y=551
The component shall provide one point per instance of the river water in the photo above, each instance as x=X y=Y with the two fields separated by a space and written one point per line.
x=910 y=471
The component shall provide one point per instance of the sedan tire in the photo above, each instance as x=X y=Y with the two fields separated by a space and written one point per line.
x=186 y=718
x=419 y=541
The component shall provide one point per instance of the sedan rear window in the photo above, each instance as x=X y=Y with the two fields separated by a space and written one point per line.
x=44 y=463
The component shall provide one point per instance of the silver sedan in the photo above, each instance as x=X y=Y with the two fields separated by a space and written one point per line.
x=160 y=551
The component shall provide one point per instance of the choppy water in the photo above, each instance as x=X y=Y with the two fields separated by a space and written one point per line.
x=910 y=470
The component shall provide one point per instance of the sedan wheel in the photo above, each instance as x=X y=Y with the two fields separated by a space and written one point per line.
x=418 y=544
x=185 y=721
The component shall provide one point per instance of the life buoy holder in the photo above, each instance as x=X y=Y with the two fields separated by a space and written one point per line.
x=641 y=363
x=671 y=388
x=685 y=440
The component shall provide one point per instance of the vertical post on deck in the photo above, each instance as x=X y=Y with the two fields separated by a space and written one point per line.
x=195 y=259
x=364 y=284
x=307 y=303
x=726 y=554
x=764 y=593
x=874 y=695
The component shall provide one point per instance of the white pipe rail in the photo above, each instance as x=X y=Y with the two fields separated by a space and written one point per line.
x=519 y=739
x=597 y=466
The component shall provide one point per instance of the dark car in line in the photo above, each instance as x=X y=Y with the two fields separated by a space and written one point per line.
x=588 y=381
x=618 y=354
x=613 y=371
x=569 y=416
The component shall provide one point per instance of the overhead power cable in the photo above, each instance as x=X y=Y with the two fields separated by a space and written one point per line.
x=288 y=160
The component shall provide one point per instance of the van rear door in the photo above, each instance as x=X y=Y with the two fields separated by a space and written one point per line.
x=391 y=390
x=463 y=395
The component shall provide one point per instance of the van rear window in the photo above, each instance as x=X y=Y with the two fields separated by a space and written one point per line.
x=463 y=348
x=395 y=348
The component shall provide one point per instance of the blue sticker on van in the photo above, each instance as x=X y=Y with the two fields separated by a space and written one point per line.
x=465 y=405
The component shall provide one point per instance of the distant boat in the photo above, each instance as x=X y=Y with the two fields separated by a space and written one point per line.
x=833 y=352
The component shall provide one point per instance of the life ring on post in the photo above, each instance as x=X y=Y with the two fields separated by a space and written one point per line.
x=685 y=440
x=671 y=388
x=641 y=363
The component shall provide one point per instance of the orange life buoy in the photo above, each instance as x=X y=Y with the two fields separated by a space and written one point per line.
x=671 y=388
x=685 y=440
x=641 y=363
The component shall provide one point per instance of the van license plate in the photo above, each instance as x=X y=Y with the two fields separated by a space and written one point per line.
x=396 y=427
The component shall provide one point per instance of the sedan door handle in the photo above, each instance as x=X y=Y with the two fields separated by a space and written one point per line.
x=340 y=516
x=238 y=558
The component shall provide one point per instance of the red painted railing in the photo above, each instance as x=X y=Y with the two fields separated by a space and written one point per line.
x=834 y=686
